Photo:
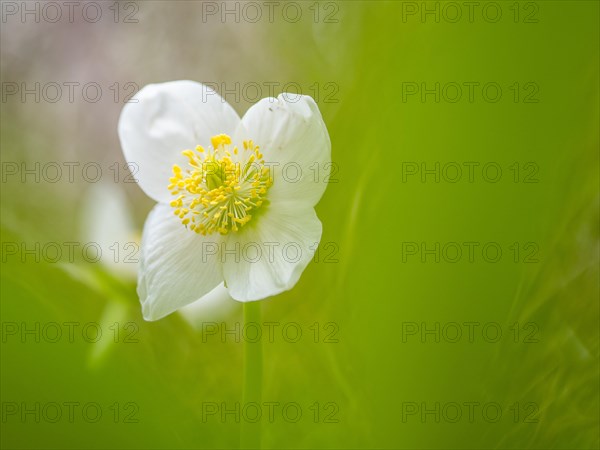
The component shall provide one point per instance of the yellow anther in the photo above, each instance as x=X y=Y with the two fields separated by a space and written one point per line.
x=214 y=194
x=220 y=139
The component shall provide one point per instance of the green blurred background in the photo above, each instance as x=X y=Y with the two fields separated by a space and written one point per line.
x=387 y=369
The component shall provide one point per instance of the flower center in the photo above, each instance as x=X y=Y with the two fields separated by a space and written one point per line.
x=219 y=191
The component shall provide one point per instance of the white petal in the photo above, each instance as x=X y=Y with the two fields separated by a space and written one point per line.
x=177 y=266
x=167 y=119
x=268 y=257
x=291 y=133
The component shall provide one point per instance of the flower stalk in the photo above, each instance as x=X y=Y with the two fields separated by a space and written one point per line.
x=250 y=436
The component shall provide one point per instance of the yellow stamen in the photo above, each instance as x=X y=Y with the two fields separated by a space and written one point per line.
x=214 y=192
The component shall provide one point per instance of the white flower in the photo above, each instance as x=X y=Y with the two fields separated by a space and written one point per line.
x=235 y=196
x=106 y=220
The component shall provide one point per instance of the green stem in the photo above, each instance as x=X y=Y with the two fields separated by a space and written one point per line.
x=252 y=390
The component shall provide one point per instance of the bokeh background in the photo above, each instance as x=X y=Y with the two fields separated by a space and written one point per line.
x=377 y=377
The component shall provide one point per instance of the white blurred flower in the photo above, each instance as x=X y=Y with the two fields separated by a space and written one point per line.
x=107 y=222
x=219 y=184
